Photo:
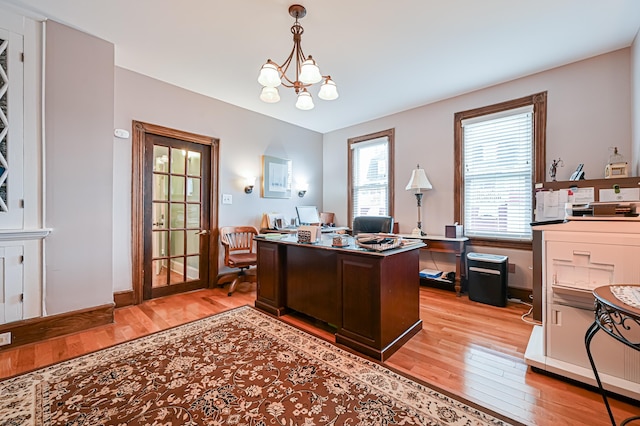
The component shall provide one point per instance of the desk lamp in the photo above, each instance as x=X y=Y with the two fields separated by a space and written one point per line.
x=418 y=182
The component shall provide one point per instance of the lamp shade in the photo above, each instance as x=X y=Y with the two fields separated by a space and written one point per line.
x=309 y=72
x=304 y=102
x=418 y=181
x=269 y=75
x=328 y=90
x=269 y=94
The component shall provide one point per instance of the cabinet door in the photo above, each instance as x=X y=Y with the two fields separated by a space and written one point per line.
x=565 y=339
x=12 y=127
x=11 y=284
x=270 y=294
x=312 y=286
x=359 y=279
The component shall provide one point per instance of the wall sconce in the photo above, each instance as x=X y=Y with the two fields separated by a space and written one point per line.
x=249 y=184
x=302 y=189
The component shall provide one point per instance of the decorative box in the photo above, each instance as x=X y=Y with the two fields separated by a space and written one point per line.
x=340 y=241
x=453 y=231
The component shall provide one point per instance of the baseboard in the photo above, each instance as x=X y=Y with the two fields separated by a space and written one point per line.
x=37 y=329
x=123 y=298
x=519 y=293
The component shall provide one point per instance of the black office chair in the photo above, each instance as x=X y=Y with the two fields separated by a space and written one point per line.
x=372 y=224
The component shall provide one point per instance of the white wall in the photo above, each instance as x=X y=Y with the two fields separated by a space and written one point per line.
x=88 y=170
x=244 y=137
x=79 y=169
x=588 y=111
x=635 y=104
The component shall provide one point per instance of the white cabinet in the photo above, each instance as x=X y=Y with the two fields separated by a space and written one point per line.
x=21 y=177
x=11 y=283
x=578 y=257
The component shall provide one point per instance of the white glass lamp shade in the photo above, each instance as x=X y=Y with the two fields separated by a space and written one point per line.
x=304 y=102
x=309 y=72
x=328 y=90
x=418 y=181
x=269 y=75
x=270 y=94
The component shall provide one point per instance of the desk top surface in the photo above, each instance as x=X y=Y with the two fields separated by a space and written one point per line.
x=433 y=237
x=294 y=229
x=326 y=243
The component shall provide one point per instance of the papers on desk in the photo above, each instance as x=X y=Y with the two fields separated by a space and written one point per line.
x=550 y=204
x=271 y=236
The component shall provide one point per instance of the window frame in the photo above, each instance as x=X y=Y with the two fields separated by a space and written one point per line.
x=390 y=135
x=539 y=103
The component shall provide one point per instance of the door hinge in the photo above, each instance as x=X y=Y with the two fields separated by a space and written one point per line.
x=22 y=204
x=21 y=56
x=21 y=259
x=22 y=297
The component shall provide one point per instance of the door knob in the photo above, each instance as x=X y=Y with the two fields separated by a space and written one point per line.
x=203 y=232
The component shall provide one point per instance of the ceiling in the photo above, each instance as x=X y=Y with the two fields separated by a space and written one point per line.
x=384 y=56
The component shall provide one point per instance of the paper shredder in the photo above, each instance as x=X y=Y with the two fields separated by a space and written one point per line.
x=487 y=277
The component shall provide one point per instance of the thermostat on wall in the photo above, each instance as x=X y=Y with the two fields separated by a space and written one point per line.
x=121 y=133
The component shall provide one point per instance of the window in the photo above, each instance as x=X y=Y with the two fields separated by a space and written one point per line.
x=500 y=154
x=371 y=175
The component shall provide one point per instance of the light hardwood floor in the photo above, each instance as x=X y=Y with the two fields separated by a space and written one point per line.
x=465 y=348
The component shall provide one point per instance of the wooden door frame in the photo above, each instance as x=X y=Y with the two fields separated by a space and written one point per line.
x=140 y=130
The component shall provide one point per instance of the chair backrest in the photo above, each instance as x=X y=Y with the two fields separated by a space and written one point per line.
x=372 y=224
x=327 y=218
x=237 y=239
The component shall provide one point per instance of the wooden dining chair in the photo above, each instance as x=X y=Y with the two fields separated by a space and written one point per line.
x=326 y=218
x=239 y=253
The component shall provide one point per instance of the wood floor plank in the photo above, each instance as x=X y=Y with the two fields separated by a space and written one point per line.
x=466 y=348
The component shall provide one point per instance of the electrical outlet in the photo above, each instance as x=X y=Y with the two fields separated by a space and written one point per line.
x=227 y=199
x=5 y=338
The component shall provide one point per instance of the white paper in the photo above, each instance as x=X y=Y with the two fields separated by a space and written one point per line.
x=582 y=196
x=550 y=204
x=624 y=194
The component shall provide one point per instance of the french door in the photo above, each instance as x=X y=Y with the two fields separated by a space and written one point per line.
x=177 y=251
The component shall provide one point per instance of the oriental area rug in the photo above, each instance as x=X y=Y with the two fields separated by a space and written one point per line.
x=240 y=367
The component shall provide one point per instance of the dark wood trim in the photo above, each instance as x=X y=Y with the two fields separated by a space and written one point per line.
x=124 y=298
x=539 y=102
x=596 y=184
x=494 y=242
x=137 y=211
x=390 y=134
x=140 y=130
x=41 y=328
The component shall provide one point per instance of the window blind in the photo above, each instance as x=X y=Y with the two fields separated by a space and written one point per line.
x=370 y=175
x=497 y=175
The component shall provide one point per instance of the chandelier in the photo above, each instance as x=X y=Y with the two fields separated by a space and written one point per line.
x=307 y=72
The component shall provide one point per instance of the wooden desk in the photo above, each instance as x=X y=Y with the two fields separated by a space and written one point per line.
x=293 y=230
x=441 y=244
x=371 y=298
